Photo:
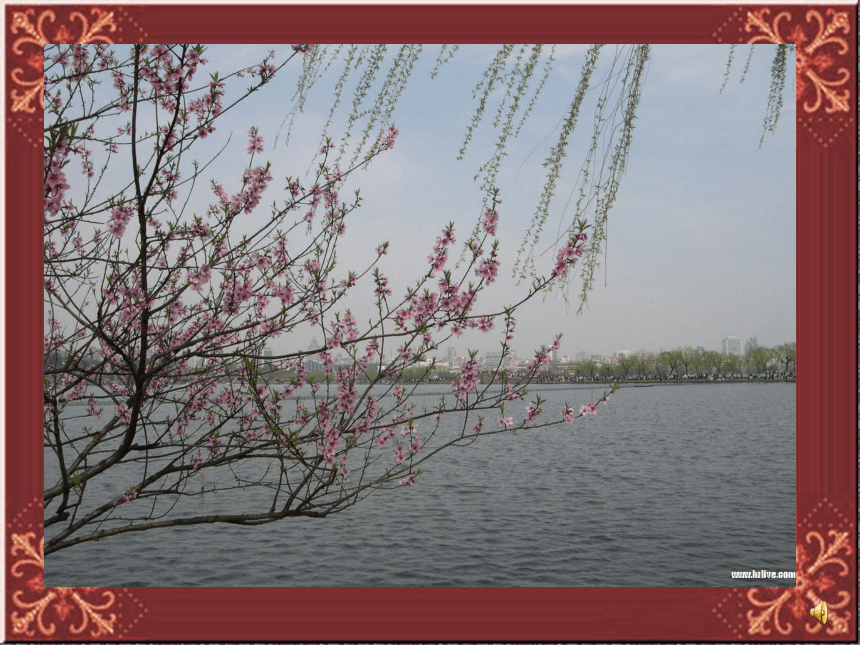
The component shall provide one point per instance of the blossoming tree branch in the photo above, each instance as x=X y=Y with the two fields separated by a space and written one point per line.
x=157 y=389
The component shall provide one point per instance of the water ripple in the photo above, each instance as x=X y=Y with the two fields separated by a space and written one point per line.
x=667 y=486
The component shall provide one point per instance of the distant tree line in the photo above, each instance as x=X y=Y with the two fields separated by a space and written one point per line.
x=687 y=362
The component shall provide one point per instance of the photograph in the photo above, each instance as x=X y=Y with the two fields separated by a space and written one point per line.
x=411 y=315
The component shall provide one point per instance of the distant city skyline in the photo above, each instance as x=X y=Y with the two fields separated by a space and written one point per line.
x=449 y=354
x=746 y=344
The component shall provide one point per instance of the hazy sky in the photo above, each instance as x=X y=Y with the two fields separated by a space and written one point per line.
x=702 y=238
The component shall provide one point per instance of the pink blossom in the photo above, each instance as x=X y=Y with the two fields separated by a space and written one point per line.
x=568 y=255
x=588 y=408
x=304 y=49
x=568 y=414
x=387 y=141
x=123 y=413
x=408 y=481
x=468 y=380
x=120 y=216
x=532 y=413
x=488 y=269
x=214 y=444
x=491 y=221
x=202 y=277
x=485 y=324
x=382 y=289
x=126 y=498
x=506 y=422
x=255 y=142
x=93 y=409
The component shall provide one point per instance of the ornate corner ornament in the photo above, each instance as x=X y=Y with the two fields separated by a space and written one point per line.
x=815 y=577
x=824 y=555
x=820 y=76
x=38 y=612
x=823 y=85
x=30 y=30
x=28 y=92
x=88 y=604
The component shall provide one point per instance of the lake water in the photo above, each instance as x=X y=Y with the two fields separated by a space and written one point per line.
x=675 y=485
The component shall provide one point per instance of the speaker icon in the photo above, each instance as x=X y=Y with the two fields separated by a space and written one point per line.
x=820 y=612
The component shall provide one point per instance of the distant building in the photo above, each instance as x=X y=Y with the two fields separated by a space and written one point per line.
x=700 y=349
x=267 y=356
x=313 y=366
x=555 y=356
x=732 y=346
x=452 y=356
x=580 y=356
x=622 y=352
x=491 y=359
x=751 y=344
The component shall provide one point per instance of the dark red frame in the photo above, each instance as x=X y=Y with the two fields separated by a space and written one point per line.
x=826 y=412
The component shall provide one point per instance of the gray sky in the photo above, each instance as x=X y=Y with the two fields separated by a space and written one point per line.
x=702 y=238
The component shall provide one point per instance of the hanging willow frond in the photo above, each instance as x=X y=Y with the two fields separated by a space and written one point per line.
x=442 y=58
x=338 y=89
x=777 y=85
x=487 y=82
x=513 y=69
x=375 y=56
x=524 y=266
x=386 y=99
x=312 y=71
x=517 y=84
x=607 y=190
x=728 y=67
x=747 y=66
x=546 y=71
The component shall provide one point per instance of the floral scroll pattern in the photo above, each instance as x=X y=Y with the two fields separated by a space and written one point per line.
x=816 y=577
x=38 y=612
x=33 y=33
x=823 y=82
x=824 y=556
x=30 y=30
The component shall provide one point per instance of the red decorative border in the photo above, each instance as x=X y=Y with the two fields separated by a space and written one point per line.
x=826 y=440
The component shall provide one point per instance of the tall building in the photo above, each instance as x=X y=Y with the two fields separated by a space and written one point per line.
x=491 y=359
x=700 y=349
x=555 y=356
x=751 y=344
x=732 y=346
x=452 y=355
